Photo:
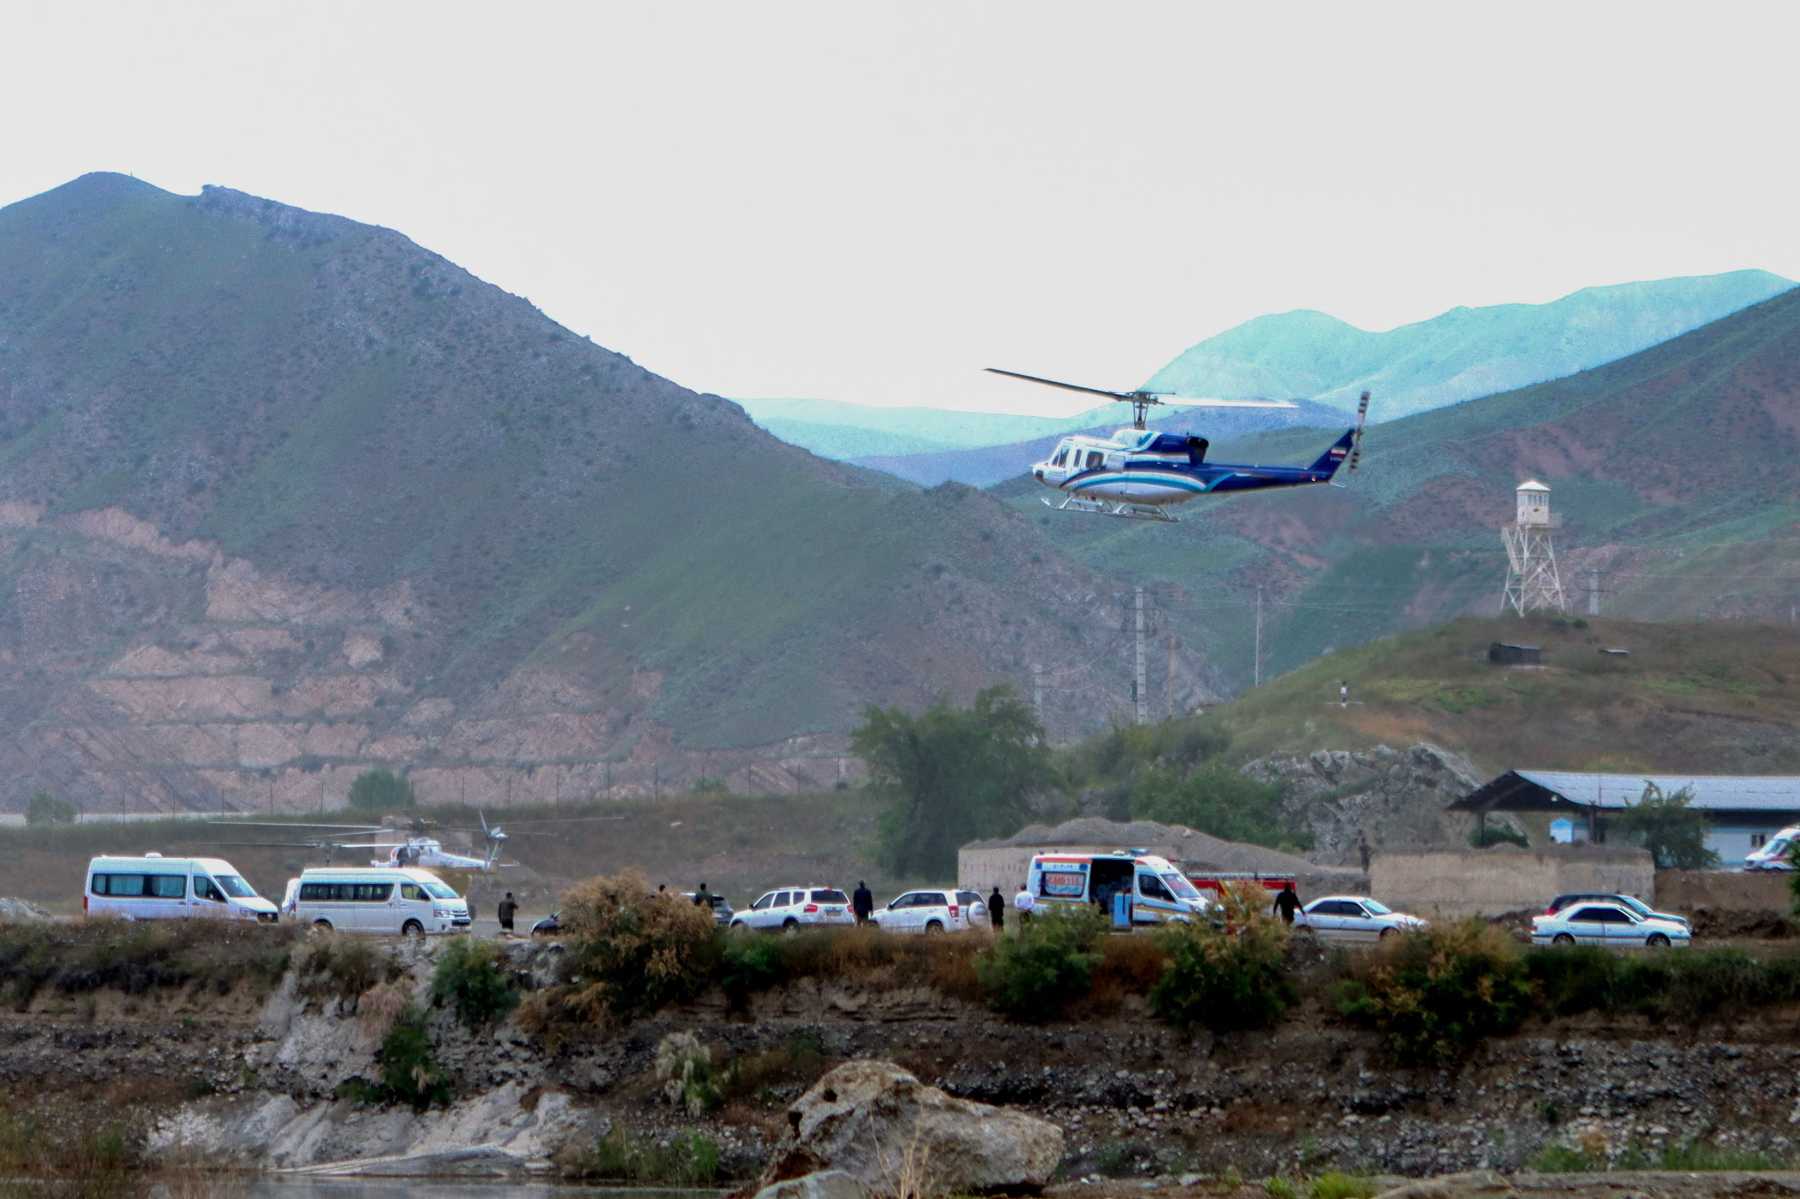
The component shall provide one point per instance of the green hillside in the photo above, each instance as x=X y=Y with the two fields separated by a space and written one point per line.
x=1720 y=698
x=1461 y=354
x=1676 y=472
x=355 y=415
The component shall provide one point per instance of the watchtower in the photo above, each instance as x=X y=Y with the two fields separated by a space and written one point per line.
x=1532 y=582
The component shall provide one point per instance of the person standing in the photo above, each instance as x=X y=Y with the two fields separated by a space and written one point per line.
x=996 y=906
x=1343 y=695
x=702 y=897
x=1287 y=902
x=862 y=902
x=507 y=910
x=1362 y=850
x=1024 y=905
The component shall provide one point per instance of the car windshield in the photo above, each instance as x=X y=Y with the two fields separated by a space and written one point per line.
x=234 y=886
x=830 y=897
x=438 y=890
x=1182 y=888
x=1635 y=904
x=1377 y=908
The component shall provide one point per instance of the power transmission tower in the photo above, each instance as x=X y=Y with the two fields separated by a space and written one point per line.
x=1138 y=697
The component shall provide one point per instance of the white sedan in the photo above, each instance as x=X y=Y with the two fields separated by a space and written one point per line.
x=1610 y=924
x=1353 y=918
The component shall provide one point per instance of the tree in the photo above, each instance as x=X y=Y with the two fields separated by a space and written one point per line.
x=381 y=791
x=1216 y=799
x=1670 y=828
x=955 y=774
x=45 y=808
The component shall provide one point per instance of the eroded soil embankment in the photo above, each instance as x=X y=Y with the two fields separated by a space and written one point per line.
x=256 y=1082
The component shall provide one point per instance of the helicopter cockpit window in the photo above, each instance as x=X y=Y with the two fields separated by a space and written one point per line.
x=1062 y=453
x=1095 y=457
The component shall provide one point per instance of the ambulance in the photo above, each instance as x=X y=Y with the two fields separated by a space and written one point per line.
x=1132 y=886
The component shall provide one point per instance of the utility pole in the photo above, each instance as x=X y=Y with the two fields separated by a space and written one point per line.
x=1138 y=697
x=1593 y=593
x=1257 y=670
x=1169 y=683
x=1037 y=695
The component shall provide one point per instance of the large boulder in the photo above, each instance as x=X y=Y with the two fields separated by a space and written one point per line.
x=895 y=1135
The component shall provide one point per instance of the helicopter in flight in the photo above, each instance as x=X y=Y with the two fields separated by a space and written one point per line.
x=1137 y=474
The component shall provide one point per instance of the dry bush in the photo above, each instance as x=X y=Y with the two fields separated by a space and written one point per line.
x=1131 y=965
x=630 y=951
x=379 y=1008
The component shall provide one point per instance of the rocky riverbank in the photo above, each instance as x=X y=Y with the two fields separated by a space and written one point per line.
x=280 y=1082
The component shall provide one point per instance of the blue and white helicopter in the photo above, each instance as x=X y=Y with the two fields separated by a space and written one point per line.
x=1136 y=473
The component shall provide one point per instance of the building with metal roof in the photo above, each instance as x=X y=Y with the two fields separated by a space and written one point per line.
x=1743 y=811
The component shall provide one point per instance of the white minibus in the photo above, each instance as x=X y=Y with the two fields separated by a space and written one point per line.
x=1154 y=892
x=152 y=887
x=378 y=899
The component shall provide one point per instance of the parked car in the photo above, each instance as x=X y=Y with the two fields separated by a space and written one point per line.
x=1353 y=918
x=549 y=926
x=721 y=910
x=1630 y=901
x=932 y=912
x=1775 y=853
x=379 y=899
x=152 y=887
x=1612 y=925
x=789 y=909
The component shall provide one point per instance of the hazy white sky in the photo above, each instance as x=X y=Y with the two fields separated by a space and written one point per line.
x=873 y=201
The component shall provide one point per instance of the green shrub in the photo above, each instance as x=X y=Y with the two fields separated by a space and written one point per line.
x=687 y=1160
x=1436 y=994
x=1685 y=988
x=630 y=951
x=1222 y=980
x=749 y=965
x=382 y=791
x=1034 y=975
x=684 y=1067
x=1335 y=1185
x=471 y=977
x=44 y=808
x=1485 y=835
x=1280 y=1188
x=409 y=1070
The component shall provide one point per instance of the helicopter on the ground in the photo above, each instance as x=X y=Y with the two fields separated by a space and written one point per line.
x=1137 y=473
x=416 y=848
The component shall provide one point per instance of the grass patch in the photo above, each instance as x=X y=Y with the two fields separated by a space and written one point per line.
x=137 y=958
x=688 y=1159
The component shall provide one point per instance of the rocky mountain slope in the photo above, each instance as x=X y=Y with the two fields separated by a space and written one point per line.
x=283 y=496
x=1462 y=354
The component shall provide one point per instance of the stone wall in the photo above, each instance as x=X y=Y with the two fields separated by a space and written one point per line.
x=1723 y=890
x=1490 y=882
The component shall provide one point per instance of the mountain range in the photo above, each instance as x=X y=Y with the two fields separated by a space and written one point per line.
x=1307 y=356
x=283 y=496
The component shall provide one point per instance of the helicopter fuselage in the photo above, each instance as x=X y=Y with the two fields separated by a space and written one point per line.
x=1145 y=468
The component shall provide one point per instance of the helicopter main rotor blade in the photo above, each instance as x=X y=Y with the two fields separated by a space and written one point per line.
x=1175 y=401
x=1127 y=396
x=299 y=826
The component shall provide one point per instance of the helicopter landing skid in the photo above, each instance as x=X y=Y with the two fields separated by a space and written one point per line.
x=1119 y=508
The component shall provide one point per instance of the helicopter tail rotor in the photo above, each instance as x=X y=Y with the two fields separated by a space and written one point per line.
x=1362 y=413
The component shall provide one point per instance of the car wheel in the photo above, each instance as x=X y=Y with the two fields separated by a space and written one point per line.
x=935 y=926
x=412 y=928
x=1562 y=939
x=738 y=926
x=790 y=926
x=1385 y=934
x=321 y=926
x=1657 y=941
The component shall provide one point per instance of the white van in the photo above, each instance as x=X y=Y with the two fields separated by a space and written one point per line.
x=152 y=887
x=1157 y=892
x=378 y=899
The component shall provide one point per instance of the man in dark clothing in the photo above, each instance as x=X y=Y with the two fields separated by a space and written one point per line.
x=1287 y=902
x=702 y=897
x=507 y=909
x=1362 y=850
x=997 y=910
x=862 y=902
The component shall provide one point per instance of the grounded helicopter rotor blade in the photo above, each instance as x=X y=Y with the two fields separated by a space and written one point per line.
x=297 y=825
x=1127 y=396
